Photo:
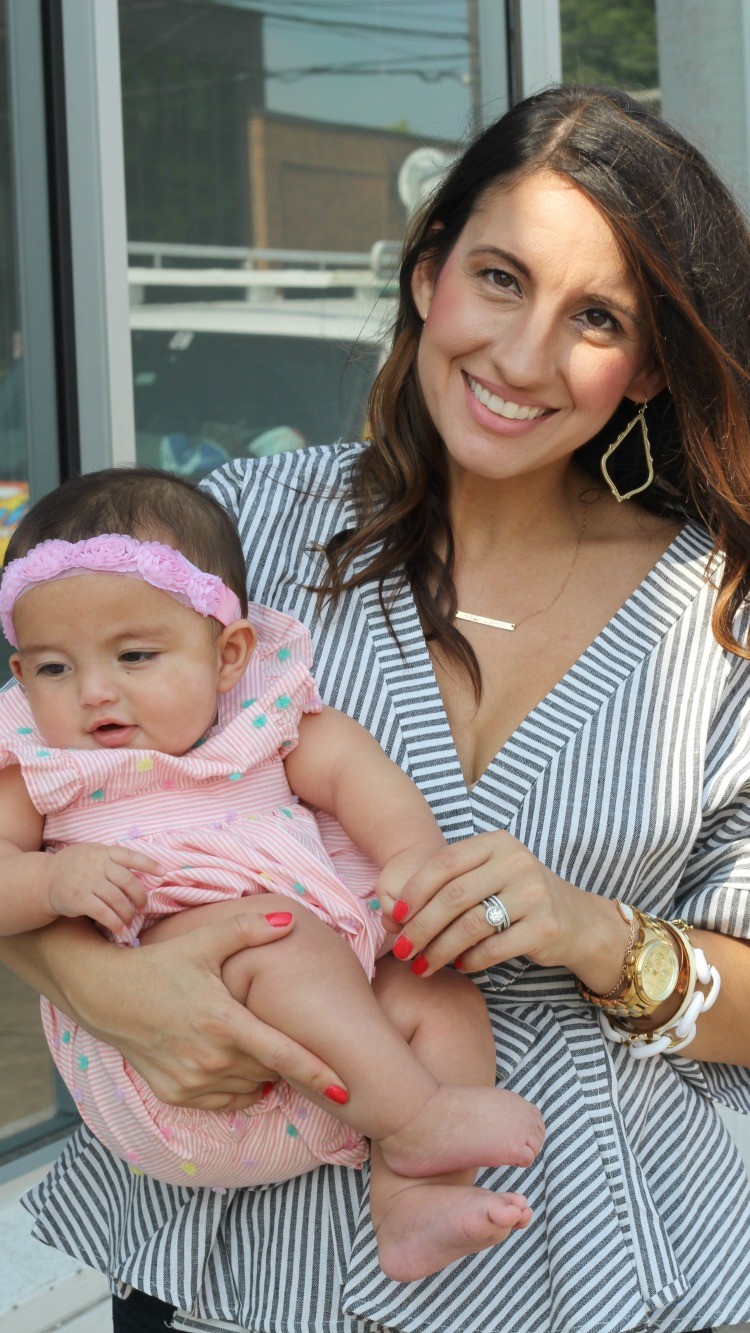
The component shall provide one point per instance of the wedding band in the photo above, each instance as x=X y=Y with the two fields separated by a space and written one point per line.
x=496 y=913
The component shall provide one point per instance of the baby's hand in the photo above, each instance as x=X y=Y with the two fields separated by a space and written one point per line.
x=98 y=882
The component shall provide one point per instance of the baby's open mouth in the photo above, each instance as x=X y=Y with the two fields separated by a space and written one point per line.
x=112 y=733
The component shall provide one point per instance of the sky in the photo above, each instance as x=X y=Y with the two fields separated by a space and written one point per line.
x=382 y=63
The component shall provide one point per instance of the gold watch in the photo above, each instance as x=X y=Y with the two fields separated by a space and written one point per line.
x=656 y=965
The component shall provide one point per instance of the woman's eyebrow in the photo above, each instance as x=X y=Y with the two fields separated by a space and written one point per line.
x=593 y=298
x=505 y=255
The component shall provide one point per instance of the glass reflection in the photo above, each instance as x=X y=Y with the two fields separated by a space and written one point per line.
x=26 y=1089
x=273 y=153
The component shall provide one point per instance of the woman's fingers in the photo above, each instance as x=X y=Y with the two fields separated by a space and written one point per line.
x=284 y=1056
x=545 y=912
x=454 y=919
x=445 y=867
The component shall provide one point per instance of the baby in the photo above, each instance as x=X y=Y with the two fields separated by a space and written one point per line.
x=166 y=749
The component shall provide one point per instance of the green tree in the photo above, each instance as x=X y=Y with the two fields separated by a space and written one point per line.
x=610 y=41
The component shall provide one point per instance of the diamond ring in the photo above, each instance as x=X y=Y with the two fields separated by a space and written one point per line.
x=496 y=913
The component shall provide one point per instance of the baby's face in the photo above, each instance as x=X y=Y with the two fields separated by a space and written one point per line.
x=108 y=661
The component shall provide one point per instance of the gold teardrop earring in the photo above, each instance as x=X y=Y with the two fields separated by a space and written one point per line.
x=638 y=419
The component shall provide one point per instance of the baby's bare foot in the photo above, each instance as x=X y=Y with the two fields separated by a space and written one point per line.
x=424 y=1227
x=460 y=1127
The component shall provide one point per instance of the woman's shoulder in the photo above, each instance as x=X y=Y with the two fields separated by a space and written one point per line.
x=308 y=476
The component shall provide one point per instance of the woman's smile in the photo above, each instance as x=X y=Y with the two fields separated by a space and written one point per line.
x=508 y=408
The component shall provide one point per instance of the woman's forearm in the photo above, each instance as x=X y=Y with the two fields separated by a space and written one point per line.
x=723 y=1032
x=166 y=1008
x=49 y=959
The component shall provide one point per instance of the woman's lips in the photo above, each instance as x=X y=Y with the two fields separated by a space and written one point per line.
x=504 y=407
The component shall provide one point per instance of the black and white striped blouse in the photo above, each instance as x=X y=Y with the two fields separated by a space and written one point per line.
x=631 y=779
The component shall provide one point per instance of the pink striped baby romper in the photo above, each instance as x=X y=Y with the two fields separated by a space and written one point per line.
x=222 y=822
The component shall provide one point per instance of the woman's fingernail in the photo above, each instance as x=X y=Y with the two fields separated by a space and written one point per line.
x=400 y=911
x=266 y=1089
x=402 y=948
x=278 y=918
x=419 y=964
x=458 y=963
x=336 y=1094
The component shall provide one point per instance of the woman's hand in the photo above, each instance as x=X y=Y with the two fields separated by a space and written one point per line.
x=165 y=1007
x=553 y=923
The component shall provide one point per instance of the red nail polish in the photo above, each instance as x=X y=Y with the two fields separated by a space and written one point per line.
x=266 y=1089
x=419 y=964
x=336 y=1094
x=278 y=918
x=400 y=911
x=402 y=948
x=458 y=963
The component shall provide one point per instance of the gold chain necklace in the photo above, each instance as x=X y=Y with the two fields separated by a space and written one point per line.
x=511 y=624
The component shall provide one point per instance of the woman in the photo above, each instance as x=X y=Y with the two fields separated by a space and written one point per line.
x=553 y=668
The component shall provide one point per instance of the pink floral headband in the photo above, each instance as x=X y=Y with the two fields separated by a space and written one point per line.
x=113 y=553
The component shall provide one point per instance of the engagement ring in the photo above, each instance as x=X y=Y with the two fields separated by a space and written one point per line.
x=496 y=913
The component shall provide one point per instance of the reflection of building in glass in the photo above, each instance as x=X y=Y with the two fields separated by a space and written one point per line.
x=319 y=186
x=191 y=77
x=194 y=78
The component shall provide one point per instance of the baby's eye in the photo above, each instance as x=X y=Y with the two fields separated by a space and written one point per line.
x=601 y=320
x=138 y=655
x=51 y=669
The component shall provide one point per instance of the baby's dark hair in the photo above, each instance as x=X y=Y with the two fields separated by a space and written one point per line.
x=144 y=503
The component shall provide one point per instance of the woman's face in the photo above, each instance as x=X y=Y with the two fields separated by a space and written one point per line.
x=534 y=331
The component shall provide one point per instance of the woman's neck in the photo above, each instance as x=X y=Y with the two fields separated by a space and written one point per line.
x=518 y=513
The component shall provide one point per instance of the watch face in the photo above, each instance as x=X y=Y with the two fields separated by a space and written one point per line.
x=659 y=971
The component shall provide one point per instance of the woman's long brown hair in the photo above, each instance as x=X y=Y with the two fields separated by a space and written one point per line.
x=688 y=246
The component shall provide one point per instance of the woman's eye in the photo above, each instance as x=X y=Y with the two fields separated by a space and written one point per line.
x=138 y=655
x=600 y=320
x=499 y=277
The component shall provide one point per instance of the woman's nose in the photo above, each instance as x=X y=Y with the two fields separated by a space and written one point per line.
x=525 y=354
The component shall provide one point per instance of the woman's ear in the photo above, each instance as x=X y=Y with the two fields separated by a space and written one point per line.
x=234 y=648
x=423 y=280
x=647 y=383
x=422 y=286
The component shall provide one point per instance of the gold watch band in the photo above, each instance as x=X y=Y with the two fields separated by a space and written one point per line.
x=657 y=965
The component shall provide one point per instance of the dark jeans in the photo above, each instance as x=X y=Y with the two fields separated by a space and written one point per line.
x=140 y=1314
x=145 y=1314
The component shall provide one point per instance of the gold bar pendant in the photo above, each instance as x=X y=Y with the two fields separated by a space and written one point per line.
x=485 y=620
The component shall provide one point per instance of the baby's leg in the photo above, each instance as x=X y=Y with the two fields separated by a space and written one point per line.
x=423 y=1225
x=310 y=985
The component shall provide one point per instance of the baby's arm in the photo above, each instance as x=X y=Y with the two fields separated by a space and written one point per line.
x=36 y=887
x=340 y=768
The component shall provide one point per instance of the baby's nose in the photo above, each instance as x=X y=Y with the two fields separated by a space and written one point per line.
x=96 y=688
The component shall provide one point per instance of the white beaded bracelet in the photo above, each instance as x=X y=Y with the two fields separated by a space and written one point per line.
x=680 y=1030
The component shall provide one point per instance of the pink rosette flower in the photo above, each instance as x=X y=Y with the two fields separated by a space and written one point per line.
x=111 y=551
x=204 y=592
x=165 y=568
x=46 y=561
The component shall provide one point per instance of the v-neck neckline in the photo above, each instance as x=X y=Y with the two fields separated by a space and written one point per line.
x=628 y=637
